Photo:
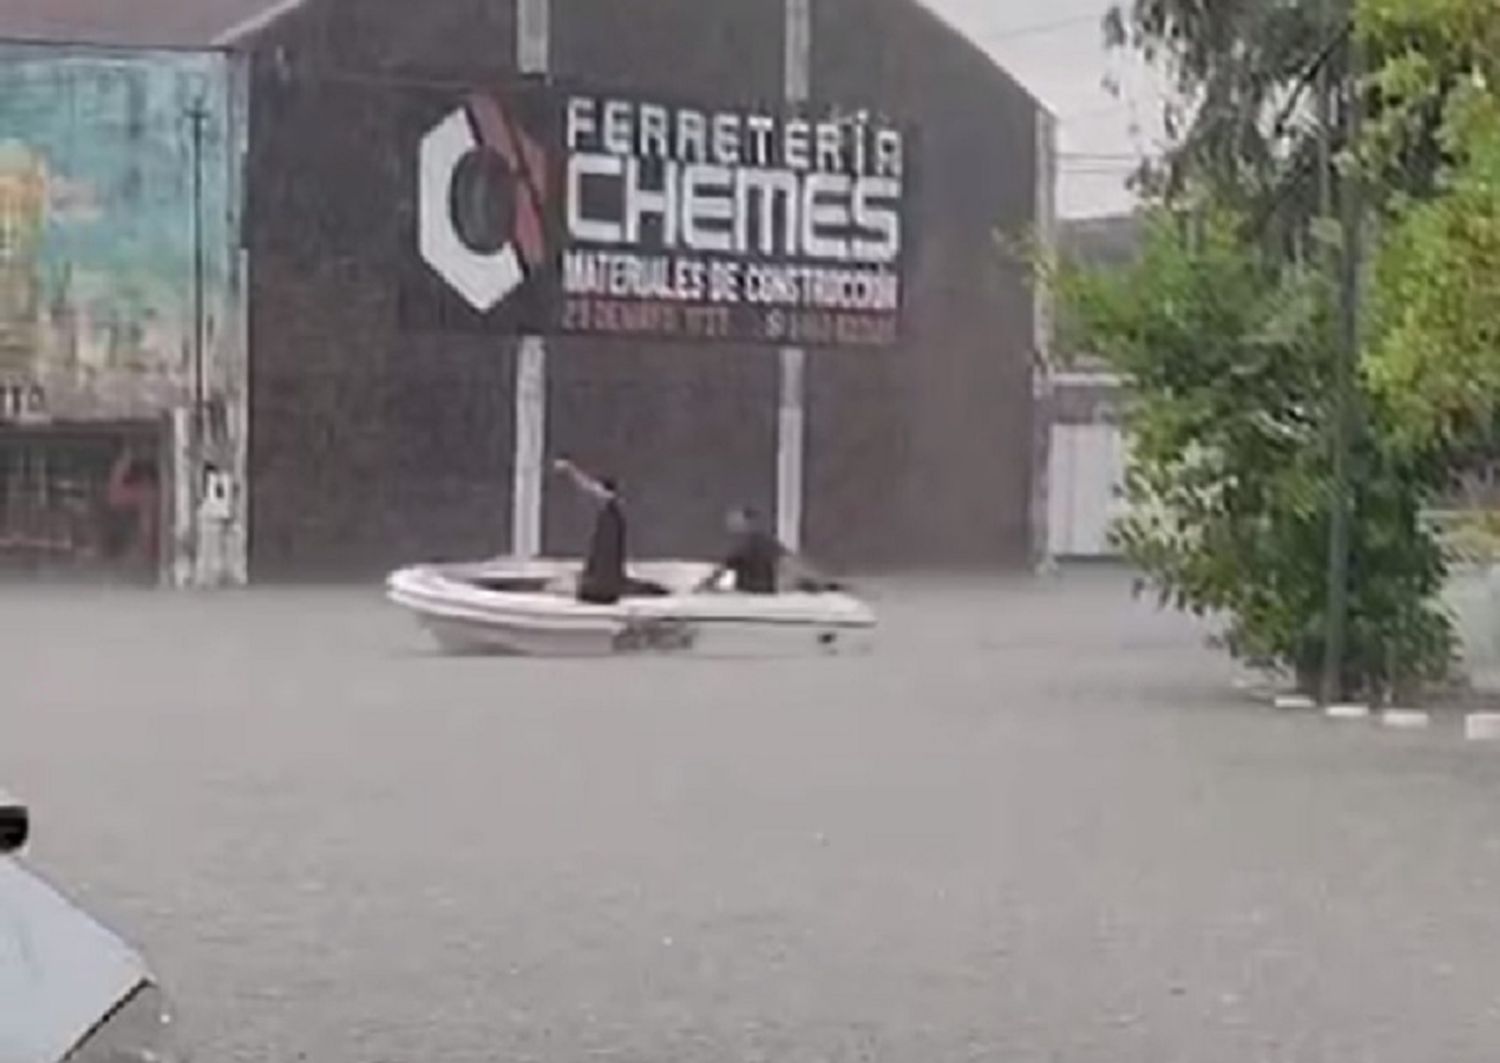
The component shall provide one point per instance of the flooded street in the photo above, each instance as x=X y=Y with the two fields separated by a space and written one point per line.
x=1037 y=825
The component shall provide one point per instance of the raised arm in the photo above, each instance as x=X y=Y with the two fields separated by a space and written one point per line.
x=582 y=480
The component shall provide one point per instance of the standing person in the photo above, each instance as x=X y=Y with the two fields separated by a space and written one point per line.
x=757 y=558
x=134 y=492
x=603 y=580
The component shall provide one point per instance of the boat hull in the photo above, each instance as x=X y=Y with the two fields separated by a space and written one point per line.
x=528 y=609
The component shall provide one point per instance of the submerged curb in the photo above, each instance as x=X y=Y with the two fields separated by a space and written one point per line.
x=1347 y=712
x=1482 y=727
x=1406 y=719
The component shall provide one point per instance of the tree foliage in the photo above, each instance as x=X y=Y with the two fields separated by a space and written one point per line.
x=1238 y=118
x=1224 y=329
x=1230 y=369
x=1436 y=352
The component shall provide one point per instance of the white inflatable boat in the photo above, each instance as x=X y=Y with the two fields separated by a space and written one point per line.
x=530 y=608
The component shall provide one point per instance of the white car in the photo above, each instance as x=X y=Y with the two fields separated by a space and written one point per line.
x=71 y=989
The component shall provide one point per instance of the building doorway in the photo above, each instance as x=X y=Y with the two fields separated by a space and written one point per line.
x=82 y=500
x=1086 y=479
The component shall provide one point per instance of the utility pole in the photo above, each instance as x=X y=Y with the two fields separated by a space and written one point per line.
x=529 y=456
x=198 y=118
x=791 y=422
x=1351 y=209
x=1325 y=117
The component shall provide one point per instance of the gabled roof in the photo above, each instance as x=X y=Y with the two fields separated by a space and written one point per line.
x=965 y=42
x=225 y=23
x=139 y=23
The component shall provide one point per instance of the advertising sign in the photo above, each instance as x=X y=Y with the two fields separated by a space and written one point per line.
x=560 y=211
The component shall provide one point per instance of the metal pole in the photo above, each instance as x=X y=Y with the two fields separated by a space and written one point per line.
x=529 y=456
x=791 y=435
x=529 y=474
x=791 y=447
x=1340 y=517
x=198 y=116
x=1042 y=385
x=1325 y=119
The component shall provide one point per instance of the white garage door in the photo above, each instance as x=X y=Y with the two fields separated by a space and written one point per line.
x=1086 y=472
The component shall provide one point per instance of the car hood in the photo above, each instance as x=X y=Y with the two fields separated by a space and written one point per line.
x=61 y=973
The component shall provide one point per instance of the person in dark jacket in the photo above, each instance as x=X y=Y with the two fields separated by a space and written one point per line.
x=759 y=561
x=603 y=581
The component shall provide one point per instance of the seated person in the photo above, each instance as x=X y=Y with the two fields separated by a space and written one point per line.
x=758 y=559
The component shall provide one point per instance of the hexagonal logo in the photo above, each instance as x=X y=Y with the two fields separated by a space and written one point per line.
x=483 y=190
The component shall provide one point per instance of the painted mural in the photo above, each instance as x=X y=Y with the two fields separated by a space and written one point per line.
x=119 y=241
x=100 y=226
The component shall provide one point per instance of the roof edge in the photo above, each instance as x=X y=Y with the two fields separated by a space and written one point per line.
x=255 y=24
x=101 y=44
x=954 y=30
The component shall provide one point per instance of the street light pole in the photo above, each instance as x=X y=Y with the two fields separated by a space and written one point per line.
x=1325 y=116
x=1346 y=361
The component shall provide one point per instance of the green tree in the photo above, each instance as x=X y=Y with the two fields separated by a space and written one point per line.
x=1239 y=117
x=1436 y=351
x=1225 y=333
x=1226 y=350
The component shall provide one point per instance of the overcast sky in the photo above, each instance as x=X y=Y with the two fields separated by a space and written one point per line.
x=1055 y=48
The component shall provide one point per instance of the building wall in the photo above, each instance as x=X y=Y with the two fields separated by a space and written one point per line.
x=97 y=248
x=372 y=444
x=923 y=454
x=692 y=428
x=375 y=445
